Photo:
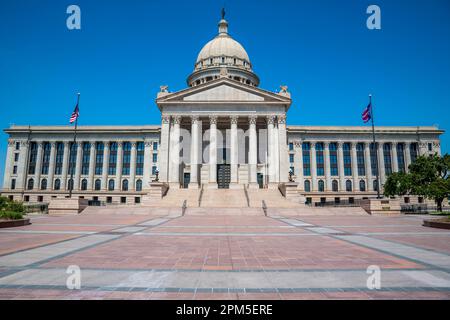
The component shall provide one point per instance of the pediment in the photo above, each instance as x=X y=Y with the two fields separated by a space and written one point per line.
x=223 y=90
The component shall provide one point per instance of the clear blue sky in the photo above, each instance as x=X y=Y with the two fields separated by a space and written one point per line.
x=321 y=49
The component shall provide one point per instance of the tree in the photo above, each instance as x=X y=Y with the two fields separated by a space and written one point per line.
x=429 y=176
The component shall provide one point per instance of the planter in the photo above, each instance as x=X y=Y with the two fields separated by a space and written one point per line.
x=14 y=223
x=436 y=224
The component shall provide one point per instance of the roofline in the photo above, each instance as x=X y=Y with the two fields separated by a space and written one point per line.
x=362 y=129
x=84 y=129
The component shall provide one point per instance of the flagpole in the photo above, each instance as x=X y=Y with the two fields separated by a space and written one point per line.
x=74 y=143
x=375 y=146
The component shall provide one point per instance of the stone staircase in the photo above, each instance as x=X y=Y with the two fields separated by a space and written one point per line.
x=174 y=198
x=223 y=198
x=272 y=197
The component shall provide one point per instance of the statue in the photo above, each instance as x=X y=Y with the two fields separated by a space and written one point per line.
x=284 y=89
x=223 y=13
x=291 y=176
x=157 y=175
x=164 y=88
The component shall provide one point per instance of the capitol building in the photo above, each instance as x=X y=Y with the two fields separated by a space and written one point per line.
x=222 y=132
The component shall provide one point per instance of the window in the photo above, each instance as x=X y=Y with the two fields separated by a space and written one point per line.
x=320 y=159
x=126 y=158
x=112 y=159
x=40 y=198
x=373 y=159
x=84 y=184
x=140 y=150
x=17 y=145
x=155 y=158
x=387 y=158
x=59 y=158
x=401 y=157
x=406 y=199
x=125 y=185
x=348 y=185
x=57 y=184
x=292 y=169
x=44 y=184
x=46 y=157
x=123 y=200
x=154 y=169
x=291 y=158
x=27 y=199
x=362 y=185
x=347 y=159
x=333 y=160
x=13 y=184
x=420 y=199
x=70 y=184
x=430 y=147
x=306 y=159
x=16 y=157
x=307 y=186
x=413 y=150
x=291 y=146
x=33 y=158
x=111 y=185
x=15 y=170
x=73 y=158
x=108 y=199
x=375 y=185
x=99 y=155
x=335 y=186
x=155 y=146
x=98 y=185
x=139 y=185
x=86 y=158
x=137 y=200
x=30 y=185
x=360 y=159
x=321 y=186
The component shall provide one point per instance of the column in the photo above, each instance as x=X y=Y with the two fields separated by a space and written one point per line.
x=148 y=154
x=194 y=152
x=213 y=152
x=394 y=157
x=407 y=155
x=38 y=169
x=355 y=166
x=65 y=165
x=22 y=168
x=76 y=182
x=234 y=150
x=340 y=155
x=368 y=163
x=252 y=152
x=118 y=184
x=164 y=147
x=271 y=149
x=132 y=182
x=9 y=165
x=327 y=166
x=105 y=166
x=313 y=166
x=174 y=154
x=51 y=166
x=90 y=185
x=382 y=173
x=298 y=160
x=284 y=153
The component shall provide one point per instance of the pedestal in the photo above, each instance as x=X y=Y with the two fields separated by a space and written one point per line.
x=381 y=206
x=67 y=206
x=290 y=191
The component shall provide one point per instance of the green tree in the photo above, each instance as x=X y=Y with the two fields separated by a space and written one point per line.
x=428 y=177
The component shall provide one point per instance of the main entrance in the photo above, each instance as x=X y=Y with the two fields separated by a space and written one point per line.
x=223 y=176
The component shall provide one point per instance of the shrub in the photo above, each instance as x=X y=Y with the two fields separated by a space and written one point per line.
x=3 y=202
x=15 y=207
x=10 y=215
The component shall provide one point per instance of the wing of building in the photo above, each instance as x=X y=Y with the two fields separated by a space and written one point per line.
x=223 y=131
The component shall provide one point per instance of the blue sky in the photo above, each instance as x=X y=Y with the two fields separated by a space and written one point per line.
x=321 y=49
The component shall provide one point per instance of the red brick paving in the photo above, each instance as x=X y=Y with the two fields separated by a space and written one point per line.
x=11 y=243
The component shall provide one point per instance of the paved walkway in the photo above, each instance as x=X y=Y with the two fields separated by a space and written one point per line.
x=224 y=257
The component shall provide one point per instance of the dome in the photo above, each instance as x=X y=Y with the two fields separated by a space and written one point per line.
x=223 y=57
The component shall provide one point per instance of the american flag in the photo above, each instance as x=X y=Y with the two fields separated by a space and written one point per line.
x=367 y=114
x=75 y=114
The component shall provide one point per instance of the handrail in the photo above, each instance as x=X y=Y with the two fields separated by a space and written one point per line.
x=184 y=207
x=246 y=196
x=200 y=196
x=264 y=207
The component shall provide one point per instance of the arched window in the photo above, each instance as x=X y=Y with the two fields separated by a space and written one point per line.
x=335 y=186
x=321 y=186
x=125 y=185
x=57 y=184
x=375 y=185
x=111 y=185
x=307 y=186
x=84 y=184
x=30 y=185
x=44 y=184
x=70 y=184
x=98 y=184
x=348 y=185
x=139 y=185
x=362 y=185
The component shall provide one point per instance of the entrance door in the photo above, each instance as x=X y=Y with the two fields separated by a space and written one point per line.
x=186 y=180
x=260 y=178
x=223 y=176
